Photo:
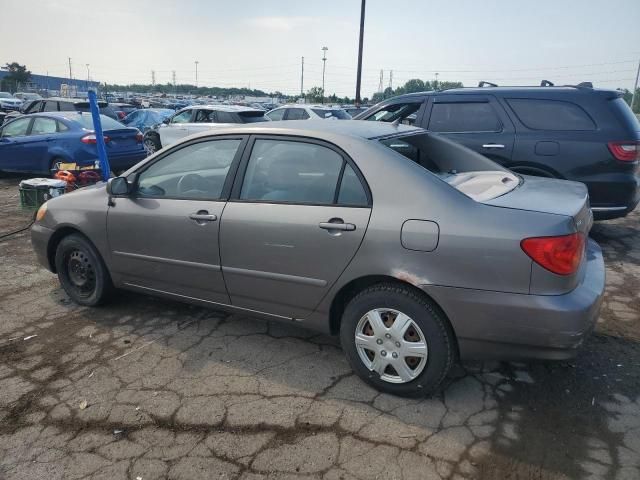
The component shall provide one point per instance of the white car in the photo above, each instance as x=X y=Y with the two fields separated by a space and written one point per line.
x=9 y=102
x=198 y=118
x=307 y=112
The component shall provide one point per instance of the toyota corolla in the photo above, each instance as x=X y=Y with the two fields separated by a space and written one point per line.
x=413 y=249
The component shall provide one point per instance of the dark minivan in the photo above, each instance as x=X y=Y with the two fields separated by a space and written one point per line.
x=575 y=133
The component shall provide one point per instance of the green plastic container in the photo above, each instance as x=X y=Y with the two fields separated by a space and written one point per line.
x=35 y=191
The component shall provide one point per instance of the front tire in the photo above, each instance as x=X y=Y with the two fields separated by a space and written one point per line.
x=397 y=340
x=152 y=144
x=81 y=271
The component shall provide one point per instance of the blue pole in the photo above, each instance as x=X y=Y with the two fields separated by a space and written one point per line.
x=97 y=127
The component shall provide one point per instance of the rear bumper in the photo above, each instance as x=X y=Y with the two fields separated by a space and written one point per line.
x=613 y=195
x=501 y=325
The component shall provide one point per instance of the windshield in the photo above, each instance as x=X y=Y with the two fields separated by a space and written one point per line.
x=335 y=113
x=5 y=95
x=253 y=117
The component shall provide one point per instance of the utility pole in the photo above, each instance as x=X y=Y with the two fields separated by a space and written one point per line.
x=435 y=87
x=173 y=77
x=391 y=80
x=88 y=76
x=324 y=64
x=153 y=78
x=635 y=87
x=359 y=74
x=380 y=84
x=302 y=79
x=196 y=62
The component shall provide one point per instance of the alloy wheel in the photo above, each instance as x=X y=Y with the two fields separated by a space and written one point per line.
x=391 y=344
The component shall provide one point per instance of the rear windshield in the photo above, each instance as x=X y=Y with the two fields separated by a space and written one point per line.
x=622 y=108
x=87 y=122
x=438 y=154
x=337 y=113
x=252 y=117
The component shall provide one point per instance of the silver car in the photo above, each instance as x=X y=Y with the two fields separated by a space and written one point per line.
x=414 y=249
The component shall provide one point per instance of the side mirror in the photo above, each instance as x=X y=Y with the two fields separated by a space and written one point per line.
x=118 y=186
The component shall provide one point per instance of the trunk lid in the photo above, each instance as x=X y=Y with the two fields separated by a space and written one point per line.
x=548 y=195
x=122 y=139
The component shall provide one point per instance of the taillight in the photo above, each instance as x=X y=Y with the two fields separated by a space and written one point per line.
x=625 y=151
x=139 y=137
x=561 y=255
x=91 y=139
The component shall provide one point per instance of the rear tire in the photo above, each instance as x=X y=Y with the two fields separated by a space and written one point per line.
x=81 y=271
x=411 y=361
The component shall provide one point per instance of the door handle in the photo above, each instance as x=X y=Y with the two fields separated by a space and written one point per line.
x=203 y=216
x=345 y=227
x=493 y=145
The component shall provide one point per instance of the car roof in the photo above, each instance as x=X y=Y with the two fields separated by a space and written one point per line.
x=225 y=108
x=323 y=129
x=534 y=91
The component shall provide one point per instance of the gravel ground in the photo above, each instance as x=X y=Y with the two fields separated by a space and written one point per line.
x=147 y=388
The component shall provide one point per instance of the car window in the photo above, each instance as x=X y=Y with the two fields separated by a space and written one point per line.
x=67 y=107
x=42 y=126
x=296 y=114
x=17 y=128
x=335 y=113
x=464 y=117
x=184 y=117
x=226 y=117
x=205 y=116
x=550 y=114
x=276 y=114
x=252 y=117
x=289 y=171
x=86 y=120
x=406 y=112
x=351 y=190
x=197 y=171
x=34 y=107
x=62 y=127
x=50 y=106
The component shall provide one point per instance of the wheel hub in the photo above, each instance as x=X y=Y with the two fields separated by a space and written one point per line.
x=80 y=272
x=391 y=344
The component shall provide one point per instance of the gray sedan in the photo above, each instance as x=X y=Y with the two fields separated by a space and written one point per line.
x=413 y=249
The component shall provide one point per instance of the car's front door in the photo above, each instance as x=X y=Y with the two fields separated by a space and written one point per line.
x=42 y=137
x=177 y=128
x=476 y=121
x=164 y=236
x=296 y=217
x=12 y=144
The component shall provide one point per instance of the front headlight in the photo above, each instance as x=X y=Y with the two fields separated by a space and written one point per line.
x=41 y=212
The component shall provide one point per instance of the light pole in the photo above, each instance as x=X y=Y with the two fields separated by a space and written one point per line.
x=196 y=62
x=359 y=74
x=324 y=64
x=88 y=76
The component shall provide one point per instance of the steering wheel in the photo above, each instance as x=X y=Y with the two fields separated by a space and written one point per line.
x=190 y=182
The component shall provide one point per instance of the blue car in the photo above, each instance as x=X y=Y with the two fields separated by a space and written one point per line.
x=145 y=118
x=35 y=143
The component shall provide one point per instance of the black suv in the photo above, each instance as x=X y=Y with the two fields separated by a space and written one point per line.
x=62 y=105
x=574 y=133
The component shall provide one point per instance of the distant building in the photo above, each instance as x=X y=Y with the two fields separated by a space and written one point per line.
x=46 y=82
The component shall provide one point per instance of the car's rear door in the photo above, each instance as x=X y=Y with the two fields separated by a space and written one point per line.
x=478 y=122
x=164 y=236
x=296 y=217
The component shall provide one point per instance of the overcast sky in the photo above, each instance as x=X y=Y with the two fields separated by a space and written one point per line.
x=259 y=43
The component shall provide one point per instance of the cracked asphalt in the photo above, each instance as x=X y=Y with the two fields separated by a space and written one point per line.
x=146 y=388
